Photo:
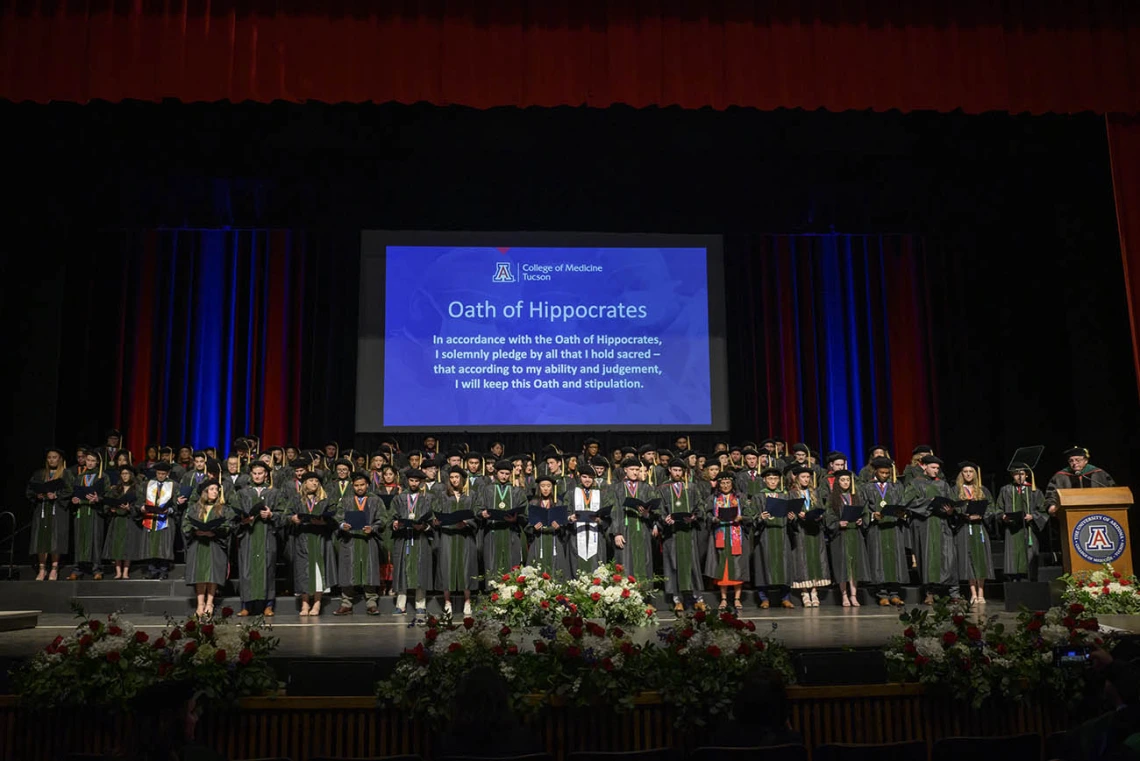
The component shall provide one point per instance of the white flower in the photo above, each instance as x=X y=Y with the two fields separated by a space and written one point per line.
x=1054 y=634
x=930 y=647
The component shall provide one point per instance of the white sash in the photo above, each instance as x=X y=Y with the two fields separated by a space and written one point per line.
x=586 y=532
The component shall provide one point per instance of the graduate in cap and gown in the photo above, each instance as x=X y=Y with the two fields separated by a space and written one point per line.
x=1080 y=474
x=727 y=564
x=387 y=489
x=749 y=481
x=809 y=543
x=975 y=561
x=158 y=513
x=340 y=485
x=547 y=548
x=264 y=510
x=412 y=552
x=587 y=541
x=915 y=469
x=932 y=530
x=502 y=538
x=1021 y=520
x=683 y=509
x=846 y=544
x=358 y=547
x=50 y=519
x=121 y=544
x=457 y=558
x=867 y=473
x=633 y=529
x=87 y=517
x=311 y=525
x=836 y=462
x=207 y=549
x=654 y=472
x=772 y=553
x=886 y=536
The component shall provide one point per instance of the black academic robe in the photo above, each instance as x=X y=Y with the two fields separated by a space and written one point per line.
x=846 y=544
x=312 y=549
x=501 y=540
x=87 y=517
x=123 y=535
x=358 y=552
x=412 y=552
x=730 y=544
x=1091 y=477
x=932 y=535
x=1022 y=538
x=972 y=539
x=810 y=561
x=158 y=514
x=51 y=524
x=588 y=539
x=207 y=557
x=546 y=546
x=772 y=554
x=886 y=536
x=684 y=572
x=637 y=555
x=257 y=542
x=456 y=558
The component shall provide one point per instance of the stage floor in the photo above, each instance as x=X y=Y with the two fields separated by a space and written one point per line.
x=359 y=636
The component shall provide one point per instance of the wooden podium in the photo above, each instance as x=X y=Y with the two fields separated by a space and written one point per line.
x=1094 y=528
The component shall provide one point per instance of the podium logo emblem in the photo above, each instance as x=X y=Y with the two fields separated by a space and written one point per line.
x=1099 y=538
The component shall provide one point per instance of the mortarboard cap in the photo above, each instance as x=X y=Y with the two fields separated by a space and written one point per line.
x=1075 y=452
x=504 y=465
x=801 y=448
x=881 y=462
x=415 y=473
x=631 y=462
x=931 y=460
x=922 y=448
x=834 y=455
x=770 y=472
x=309 y=476
x=359 y=476
x=163 y=465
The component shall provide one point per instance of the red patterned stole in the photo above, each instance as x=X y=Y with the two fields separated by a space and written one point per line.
x=735 y=533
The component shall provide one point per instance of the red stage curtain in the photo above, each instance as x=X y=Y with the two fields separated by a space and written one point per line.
x=1124 y=148
x=975 y=55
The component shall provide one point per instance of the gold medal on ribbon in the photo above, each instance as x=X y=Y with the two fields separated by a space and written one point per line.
x=502 y=505
x=883 y=503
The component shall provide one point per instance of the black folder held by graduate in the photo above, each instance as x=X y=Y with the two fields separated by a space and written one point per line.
x=589 y=515
x=356 y=519
x=453 y=519
x=48 y=487
x=634 y=505
x=815 y=514
x=977 y=507
x=556 y=514
x=778 y=508
x=851 y=513
x=502 y=515
x=892 y=511
x=211 y=525
x=727 y=514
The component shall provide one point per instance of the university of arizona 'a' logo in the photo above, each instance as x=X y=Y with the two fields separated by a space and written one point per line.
x=1099 y=538
x=503 y=273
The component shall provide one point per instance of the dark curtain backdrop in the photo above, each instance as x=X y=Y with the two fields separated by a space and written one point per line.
x=1008 y=223
x=977 y=55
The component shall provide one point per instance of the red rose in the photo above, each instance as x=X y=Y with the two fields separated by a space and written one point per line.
x=190 y=626
x=949 y=638
x=1033 y=626
x=227 y=612
x=1039 y=614
x=1076 y=609
x=85 y=640
x=687 y=632
x=1125 y=582
x=254 y=636
x=560 y=598
x=625 y=594
x=595 y=597
x=958 y=620
x=750 y=626
x=165 y=668
x=191 y=648
x=576 y=632
x=245 y=656
x=175 y=634
x=744 y=649
x=618 y=568
x=649 y=612
x=519 y=595
x=617 y=632
x=505 y=631
x=94 y=625
x=617 y=578
x=220 y=656
x=432 y=621
x=713 y=650
x=627 y=648
x=1068 y=622
x=62 y=649
x=521 y=580
x=207 y=630
x=1116 y=574
x=597 y=581
x=545 y=576
x=57 y=641
x=726 y=618
x=699 y=616
x=114 y=656
x=515 y=567
x=759 y=645
x=909 y=648
x=431 y=635
x=1090 y=624
x=966 y=665
x=468 y=622
x=909 y=632
x=454 y=647
x=513 y=650
x=973 y=633
x=114 y=631
x=607 y=664
x=498 y=650
x=539 y=646
x=545 y=604
x=506 y=577
x=631 y=580
x=494 y=597
x=921 y=660
x=567 y=621
x=573 y=608
x=159 y=643
x=573 y=652
x=1001 y=649
x=141 y=637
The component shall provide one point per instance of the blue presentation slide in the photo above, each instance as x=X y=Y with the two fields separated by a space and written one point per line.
x=484 y=336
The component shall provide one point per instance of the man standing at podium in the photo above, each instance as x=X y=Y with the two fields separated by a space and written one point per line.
x=1080 y=474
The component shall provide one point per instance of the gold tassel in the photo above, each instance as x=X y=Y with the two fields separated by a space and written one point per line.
x=894 y=473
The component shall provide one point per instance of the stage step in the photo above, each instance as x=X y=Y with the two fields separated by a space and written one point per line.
x=12 y=620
